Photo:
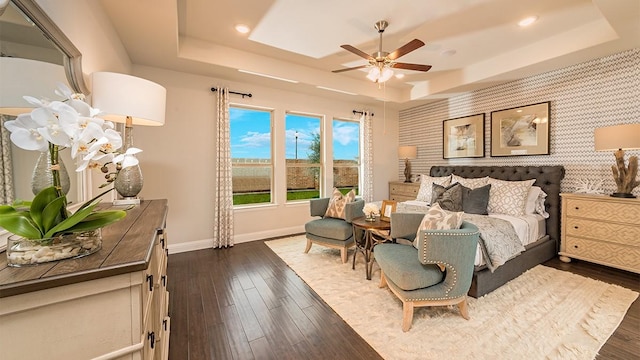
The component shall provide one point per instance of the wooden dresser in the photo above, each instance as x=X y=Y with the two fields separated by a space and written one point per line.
x=402 y=191
x=601 y=229
x=109 y=305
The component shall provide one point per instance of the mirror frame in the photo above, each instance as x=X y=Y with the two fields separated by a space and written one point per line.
x=73 y=59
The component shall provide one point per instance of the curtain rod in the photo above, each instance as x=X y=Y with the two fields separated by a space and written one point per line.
x=360 y=112
x=213 y=89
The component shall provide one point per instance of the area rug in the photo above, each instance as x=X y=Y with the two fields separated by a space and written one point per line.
x=543 y=314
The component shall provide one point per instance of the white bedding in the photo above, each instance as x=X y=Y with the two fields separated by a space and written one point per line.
x=529 y=228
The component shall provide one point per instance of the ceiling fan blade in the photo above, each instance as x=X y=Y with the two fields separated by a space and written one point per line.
x=351 y=68
x=358 y=52
x=407 y=66
x=405 y=49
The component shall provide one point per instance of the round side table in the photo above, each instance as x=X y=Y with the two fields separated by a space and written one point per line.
x=369 y=240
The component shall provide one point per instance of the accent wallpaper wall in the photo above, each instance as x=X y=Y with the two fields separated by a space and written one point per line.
x=597 y=93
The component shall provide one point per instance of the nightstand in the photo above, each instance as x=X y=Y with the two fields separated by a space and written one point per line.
x=601 y=229
x=402 y=191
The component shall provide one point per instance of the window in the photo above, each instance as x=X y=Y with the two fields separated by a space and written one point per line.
x=252 y=168
x=302 y=151
x=346 y=155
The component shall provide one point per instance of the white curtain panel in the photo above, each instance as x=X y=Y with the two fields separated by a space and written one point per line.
x=367 y=157
x=223 y=206
x=6 y=165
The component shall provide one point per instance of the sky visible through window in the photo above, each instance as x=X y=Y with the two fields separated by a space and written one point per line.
x=251 y=135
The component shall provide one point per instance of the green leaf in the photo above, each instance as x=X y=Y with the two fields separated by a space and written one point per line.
x=98 y=219
x=44 y=197
x=72 y=220
x=51 y=213
x=20 y=224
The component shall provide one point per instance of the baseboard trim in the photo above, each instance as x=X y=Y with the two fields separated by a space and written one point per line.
x=238 y=239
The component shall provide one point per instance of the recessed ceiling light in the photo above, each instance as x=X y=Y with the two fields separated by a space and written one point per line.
x=242 y=28
x=527 y=21
x=399 y=76
x=449 y=52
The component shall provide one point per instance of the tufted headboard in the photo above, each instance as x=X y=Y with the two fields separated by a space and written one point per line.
x=547 y=177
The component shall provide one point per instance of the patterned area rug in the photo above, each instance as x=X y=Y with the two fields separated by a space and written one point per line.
x=543 y=314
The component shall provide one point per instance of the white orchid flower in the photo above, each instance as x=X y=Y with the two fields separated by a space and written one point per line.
x=127 y=159
x=24 y=133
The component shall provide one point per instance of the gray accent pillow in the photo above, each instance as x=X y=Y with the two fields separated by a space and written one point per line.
x=475 y=201
x=449 y=198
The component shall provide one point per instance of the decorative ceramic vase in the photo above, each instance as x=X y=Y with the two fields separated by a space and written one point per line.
x=43 y=176
x=129 y=181
x=24 y=252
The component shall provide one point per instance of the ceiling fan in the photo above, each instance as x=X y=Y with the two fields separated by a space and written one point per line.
x=381 y=62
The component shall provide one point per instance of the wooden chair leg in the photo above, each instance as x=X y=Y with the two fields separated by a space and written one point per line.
x=309 y=243
x=407 y=315
x=383 y=280
x=464 y=308
x=344 y=255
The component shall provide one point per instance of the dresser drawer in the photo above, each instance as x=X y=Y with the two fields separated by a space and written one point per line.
x=621 y=256
x=603 y=210
x=610 y=232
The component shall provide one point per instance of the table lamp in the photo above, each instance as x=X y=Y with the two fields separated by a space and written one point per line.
x=619 y=138
x=406 y=153
x=133 y=101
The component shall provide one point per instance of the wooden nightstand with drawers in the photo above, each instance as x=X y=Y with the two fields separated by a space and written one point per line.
x=601 y=229
x=402 y=191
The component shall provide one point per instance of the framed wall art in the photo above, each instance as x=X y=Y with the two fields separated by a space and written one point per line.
x=521 y=130
x=463 y=137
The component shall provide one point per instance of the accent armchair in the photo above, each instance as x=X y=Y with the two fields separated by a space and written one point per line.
x=332 y=232
x=437 y=273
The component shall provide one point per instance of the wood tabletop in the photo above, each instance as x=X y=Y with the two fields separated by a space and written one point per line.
x=378 y=224
x=126 y=247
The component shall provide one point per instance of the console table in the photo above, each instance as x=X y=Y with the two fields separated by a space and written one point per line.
x=112 y=304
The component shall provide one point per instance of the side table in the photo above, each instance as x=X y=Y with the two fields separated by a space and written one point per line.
x=369 y=240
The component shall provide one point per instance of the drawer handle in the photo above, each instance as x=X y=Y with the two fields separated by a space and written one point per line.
x=152 y=339
x=164 y=280
x=577 y=208
x=575 y=227
x=164 y=323
x=575 y=246
x=162 y=242
x=150 y=281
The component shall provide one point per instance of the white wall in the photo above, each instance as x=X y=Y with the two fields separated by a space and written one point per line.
x=178 y=161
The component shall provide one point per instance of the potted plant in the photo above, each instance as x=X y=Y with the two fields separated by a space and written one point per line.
x=44 y=229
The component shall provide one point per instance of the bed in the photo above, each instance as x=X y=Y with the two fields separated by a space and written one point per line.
x=537 y=249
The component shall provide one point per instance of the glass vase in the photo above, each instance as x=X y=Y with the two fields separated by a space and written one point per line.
x=43 y=176
x=26 y=252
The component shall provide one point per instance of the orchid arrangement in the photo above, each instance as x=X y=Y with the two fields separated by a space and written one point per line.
x=370 y=209
x=53 y=126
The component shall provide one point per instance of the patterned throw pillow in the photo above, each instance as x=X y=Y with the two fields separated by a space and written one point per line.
x=338 y=202
x=426 y=182
x=508 y=197
x=449 y=198
x=471 y=183
x=438 y=219
x=475 y=201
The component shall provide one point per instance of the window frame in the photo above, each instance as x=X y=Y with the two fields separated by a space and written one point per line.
x=359 y=161
x=321 y=162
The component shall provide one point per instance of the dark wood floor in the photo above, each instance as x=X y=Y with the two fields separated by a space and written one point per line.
x=246 y=303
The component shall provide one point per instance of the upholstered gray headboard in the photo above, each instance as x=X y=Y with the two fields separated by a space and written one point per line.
x=547 y=177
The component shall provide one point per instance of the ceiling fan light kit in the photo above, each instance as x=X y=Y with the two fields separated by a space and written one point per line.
x=382 y=62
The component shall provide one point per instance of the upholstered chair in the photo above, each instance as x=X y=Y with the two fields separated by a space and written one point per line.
x=437 y=273
x=332 y=232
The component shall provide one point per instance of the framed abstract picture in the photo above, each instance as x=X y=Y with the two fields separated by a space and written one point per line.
x=463 y=137
x=521 y=130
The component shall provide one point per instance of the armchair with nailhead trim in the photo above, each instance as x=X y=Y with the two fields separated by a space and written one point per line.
x=436 y=273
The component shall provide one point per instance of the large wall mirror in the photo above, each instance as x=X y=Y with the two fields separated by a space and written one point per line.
x=34 y=54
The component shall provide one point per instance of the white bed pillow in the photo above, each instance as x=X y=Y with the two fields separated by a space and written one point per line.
x=426 y=184
x=471 y=183
x=535 y=202
x=508 y=197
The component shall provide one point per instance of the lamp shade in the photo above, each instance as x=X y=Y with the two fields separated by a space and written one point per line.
x=617 y=137
x=120 y=95
x=20 y=77
x=407 y=152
